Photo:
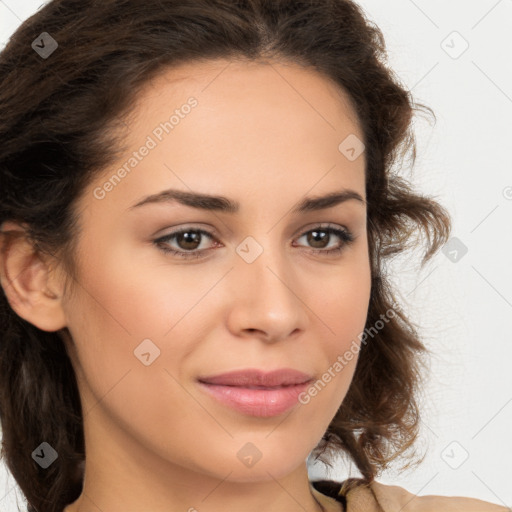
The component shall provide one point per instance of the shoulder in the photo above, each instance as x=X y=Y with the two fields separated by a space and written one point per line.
x=392 y=497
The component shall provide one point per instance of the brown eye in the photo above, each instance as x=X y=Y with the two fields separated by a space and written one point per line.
x=319 y=237
x=188 y=240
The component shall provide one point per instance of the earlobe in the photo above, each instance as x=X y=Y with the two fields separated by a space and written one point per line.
x=25 y=277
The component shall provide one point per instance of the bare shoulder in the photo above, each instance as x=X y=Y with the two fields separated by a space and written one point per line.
x=393 y=497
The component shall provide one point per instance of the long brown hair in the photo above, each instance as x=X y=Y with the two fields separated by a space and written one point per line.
x=60 y=120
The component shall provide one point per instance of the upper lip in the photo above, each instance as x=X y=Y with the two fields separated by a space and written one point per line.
x=256 y=377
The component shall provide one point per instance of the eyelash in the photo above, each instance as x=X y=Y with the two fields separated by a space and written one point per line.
x=344 y=234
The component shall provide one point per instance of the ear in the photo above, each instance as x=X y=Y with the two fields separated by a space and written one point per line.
x=25 y=277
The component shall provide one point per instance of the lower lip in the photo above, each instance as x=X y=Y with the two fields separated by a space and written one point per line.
x=257 y=402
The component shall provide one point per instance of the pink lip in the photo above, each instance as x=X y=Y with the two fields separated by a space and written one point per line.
x=262 y=402
x=256 y=377
x=257 y=393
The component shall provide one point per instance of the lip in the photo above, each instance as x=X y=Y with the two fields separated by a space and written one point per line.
x=257 y=393
x=256 y=377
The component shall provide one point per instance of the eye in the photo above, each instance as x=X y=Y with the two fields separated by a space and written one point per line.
x=319 y=235
x=188 y=240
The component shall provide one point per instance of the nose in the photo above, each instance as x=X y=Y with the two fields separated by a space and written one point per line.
x=266 y=297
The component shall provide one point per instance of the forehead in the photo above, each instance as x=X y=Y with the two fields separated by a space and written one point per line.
x=242 y=84
x=255 y=128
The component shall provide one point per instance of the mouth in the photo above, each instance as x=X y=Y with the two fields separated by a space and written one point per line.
x=256 y=401
x=261 y=387
x=255 y=378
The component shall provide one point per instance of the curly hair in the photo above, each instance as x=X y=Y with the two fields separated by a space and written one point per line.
x=59 y=126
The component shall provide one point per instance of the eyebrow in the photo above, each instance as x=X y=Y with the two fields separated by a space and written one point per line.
x=225 y=205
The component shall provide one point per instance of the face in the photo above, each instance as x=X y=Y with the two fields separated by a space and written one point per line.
x=250 y=286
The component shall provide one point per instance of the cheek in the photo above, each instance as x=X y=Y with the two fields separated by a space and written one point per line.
x=341 y=306
x=126 y=297
x=116 y=309
x=133 y=294
x=342 y=303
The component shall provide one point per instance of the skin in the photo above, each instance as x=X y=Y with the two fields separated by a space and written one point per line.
x=265 y=135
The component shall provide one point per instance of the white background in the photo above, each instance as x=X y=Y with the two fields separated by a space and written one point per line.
x=464 y=307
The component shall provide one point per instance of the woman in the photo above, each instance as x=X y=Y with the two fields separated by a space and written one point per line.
x=197 y=206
